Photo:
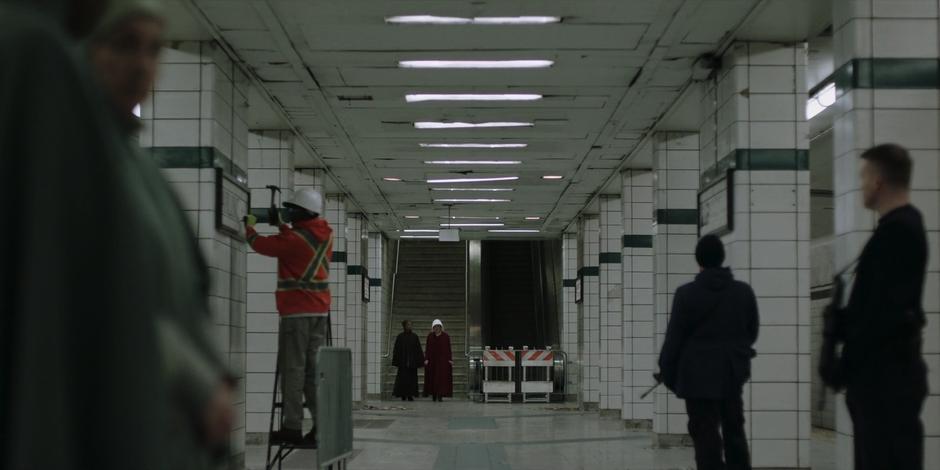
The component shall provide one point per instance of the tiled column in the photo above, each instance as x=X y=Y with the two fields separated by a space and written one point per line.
x=589 y=310
x=354 y=316
x=570 y=314
x=756 y=125
x=271 y=161
x=376 y=315
x=639 y=357
x=675 y=228
x=194 y=123
x=888 y=53
x=611 y=304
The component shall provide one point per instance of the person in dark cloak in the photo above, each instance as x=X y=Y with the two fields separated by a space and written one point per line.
x=438 y=364
x=407 y=357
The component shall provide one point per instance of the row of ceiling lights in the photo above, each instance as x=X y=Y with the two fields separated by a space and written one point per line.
x=429 y=97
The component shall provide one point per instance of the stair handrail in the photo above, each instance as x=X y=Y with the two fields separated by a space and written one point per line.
x=391 y=306
x=466 y=300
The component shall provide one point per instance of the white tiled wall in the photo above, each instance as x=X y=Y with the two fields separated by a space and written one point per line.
x=611 y=305
x=376 y=315
x=865 y=117
x=675 y=161
x=570 y=312
x=590 y=328
x=355 y=311
x=271 y=161
x=639 y=357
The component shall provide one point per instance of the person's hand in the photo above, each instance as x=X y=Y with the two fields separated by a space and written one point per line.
x=250 y=220
x=219 y=417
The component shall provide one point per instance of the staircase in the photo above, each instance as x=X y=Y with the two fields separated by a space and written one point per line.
x=431 y=283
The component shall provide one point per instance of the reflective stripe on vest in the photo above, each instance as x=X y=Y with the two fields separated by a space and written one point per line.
x=318 y=286
x=319 y=260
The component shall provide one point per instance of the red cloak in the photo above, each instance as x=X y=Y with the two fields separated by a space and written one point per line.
x=438 y=373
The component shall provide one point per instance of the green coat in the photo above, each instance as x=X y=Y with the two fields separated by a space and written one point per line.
x=105 y=356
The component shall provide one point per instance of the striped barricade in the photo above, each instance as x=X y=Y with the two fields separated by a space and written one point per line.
x=498 y=370
x=537 y=383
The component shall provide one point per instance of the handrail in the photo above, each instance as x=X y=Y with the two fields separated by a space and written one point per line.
x=466 y=299
x=391 y=306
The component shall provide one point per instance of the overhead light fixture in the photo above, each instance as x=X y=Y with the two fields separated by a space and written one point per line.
x=472 y=225
x=469 y=217
x=421 y=97
x=474 y=146
x=394 y=179
x=552 y=177
x=533 y=218
x=820 y=101
x=479 y=20
x=412 y=216
x=420 y=230
x=468 y=125
x=472 y=180
x=475 y=64
x=514 y=230
x=472 y=162
x=472 y=200
x=489 y=190
x=419 y=236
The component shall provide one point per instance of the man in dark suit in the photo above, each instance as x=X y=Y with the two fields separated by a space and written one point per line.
x=706 y=358
x=882 y=368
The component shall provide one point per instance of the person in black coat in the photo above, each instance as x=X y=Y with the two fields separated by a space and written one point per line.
x=407 y=357
x=706 y=357
x=882 y=368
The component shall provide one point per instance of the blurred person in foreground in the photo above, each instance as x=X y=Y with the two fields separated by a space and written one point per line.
x=881 y=367
x=91 y=278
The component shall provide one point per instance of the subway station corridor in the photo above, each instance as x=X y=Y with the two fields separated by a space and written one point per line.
x=608 y=234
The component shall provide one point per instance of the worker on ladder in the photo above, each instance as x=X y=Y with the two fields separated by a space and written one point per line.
x=303 y=253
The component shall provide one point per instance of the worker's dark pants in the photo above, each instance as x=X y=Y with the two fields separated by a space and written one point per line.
x=706 y=418
x=887 y=427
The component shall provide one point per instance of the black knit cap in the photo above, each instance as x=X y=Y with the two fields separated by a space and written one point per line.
x=710 y=252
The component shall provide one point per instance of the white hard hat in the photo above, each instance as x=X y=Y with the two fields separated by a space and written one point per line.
x=309 y=199
x=437 y=323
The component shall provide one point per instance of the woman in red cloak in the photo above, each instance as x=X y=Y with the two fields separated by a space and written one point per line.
x=438 y=364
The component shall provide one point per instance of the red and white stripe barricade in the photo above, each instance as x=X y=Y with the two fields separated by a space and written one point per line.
x=537 y=384
x=498 y=381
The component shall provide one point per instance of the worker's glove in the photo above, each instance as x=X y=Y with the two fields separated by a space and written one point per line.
x=274 y=217
x=250 y=220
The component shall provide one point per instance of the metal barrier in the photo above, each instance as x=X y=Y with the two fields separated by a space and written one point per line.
x=499 y=367
x=537 y=381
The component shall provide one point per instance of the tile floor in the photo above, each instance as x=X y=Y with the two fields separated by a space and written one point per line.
x=460 y=435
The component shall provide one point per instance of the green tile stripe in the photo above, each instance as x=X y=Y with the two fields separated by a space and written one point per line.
x=568 y=282
x=338 y=257
x=375 y=282
x=589 y=271
x=193 y=157
x=677 y=216
x=354 y=270
x=610 y=258
x=886 y=74
x=637 y=241
x=756 y=160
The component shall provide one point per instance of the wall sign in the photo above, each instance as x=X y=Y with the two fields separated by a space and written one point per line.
x=716 y=207
x=579 y=288
x=232 y=202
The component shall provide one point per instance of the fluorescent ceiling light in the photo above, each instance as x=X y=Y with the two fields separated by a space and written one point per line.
x=474 y=146
x=448 y=225
x=475 y=64
x=421 y=97
x=468 y=125
x=552 y=177
x=420 y=230
x=412 y=216
x=391 y=178
x=514 y=230
x=479 y=20
x=490 y=190
x=419 y=236
x=472 y=162
x=469 y=217
x=820 y=101
x=472 y=200
x=472 y=180
x=533 y=218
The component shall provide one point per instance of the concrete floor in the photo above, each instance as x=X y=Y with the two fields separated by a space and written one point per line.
x=459 y=435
